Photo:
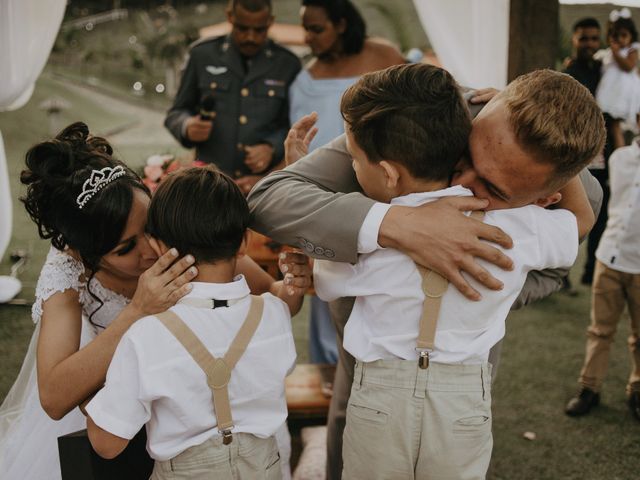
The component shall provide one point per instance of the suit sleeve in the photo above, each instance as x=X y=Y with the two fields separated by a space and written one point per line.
x=315 y=201
x=541 y=284
x=185 y=104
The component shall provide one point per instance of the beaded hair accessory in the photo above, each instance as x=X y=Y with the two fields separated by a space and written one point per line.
x=98 y=179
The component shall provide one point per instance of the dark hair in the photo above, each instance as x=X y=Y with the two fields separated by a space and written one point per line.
x=412 y=114
x=623 y=24
x=250 y=5
x=588 y=22
x=355 y=28
x=56 y=172
x=199 y=211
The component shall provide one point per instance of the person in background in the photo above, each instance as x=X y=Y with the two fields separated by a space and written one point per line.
x=336 y=33
x=587 y=70
x=618 y=92
x=616 y=283
x=232 y=104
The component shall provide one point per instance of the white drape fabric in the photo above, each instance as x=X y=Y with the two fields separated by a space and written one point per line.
x=470 y=38
x=28 y=29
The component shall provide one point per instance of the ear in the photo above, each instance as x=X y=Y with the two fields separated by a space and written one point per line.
x=550 y=200
x=229 y=14
x=157 y=246
x=242 y=251
x=341 y=27
x=391 y=173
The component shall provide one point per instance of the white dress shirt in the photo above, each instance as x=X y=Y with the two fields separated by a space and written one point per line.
x=152 y=379
x=385 y=317
x=619 y=247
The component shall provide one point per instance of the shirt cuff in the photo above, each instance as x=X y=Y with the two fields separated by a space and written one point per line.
x=368 y=234
x=110 y=423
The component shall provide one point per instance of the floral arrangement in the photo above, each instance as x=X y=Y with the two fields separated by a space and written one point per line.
x=159 y=166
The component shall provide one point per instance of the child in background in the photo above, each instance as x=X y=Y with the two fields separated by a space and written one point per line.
x=205 y=417
x=616 y=283
x=618 y=93
x=420 y=404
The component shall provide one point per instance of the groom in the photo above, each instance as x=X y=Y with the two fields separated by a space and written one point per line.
x=316 y=203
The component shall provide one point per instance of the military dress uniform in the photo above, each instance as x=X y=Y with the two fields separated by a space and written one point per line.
x=251 y=100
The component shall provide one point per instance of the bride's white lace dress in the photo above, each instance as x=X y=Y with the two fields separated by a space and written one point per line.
x=28 y=437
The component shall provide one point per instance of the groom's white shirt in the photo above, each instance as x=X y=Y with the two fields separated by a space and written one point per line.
x=386 y=282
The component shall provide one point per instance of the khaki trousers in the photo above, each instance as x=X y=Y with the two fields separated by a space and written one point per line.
x=404 y=422
x=246 y=458
x=611 y=291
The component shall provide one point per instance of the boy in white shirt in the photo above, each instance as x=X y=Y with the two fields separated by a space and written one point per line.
x=420 y=405
x=218 y=424
x=616 y=283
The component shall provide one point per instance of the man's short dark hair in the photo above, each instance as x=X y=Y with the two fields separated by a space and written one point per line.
x=587 y=22
x=250 y=5
x=199 y=211
x=411 y=114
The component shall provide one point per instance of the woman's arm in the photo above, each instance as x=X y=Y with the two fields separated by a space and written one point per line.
x=291 y=290
x=68 y=374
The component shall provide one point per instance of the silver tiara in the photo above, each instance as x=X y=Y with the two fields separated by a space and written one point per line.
x=97 y=181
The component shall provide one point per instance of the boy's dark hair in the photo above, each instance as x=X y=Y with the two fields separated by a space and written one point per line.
x=588 y=22
x=623 y=24
x=250 y=5
x=411 y=114
x=199 y=211
x=355 y=28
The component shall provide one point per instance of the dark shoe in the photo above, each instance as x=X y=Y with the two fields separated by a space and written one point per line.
x=634 y=404
x=567 y=288
x=583 y=403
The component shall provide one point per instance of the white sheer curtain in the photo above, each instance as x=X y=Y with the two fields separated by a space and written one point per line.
x=470 y=38
x=28 y=29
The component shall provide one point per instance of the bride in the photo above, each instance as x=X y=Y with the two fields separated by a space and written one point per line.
x=100 y=276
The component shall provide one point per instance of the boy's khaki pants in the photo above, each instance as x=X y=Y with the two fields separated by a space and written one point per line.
x=611 y=291
x=247 y=457
x=404 y=422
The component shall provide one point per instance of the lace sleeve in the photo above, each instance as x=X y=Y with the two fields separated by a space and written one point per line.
x=60 y=272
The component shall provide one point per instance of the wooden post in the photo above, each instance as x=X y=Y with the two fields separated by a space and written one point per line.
x=533 y=35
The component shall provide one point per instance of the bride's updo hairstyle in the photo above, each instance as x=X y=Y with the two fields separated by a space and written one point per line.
x=56 y=172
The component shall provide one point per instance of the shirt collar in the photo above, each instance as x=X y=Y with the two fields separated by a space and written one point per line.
x=414 y=199
x=220 y=291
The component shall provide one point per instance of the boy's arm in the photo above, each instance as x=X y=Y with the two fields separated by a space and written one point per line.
x=574 y=199
x=106 y=444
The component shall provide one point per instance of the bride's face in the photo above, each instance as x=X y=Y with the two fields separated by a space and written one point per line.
x=133 y=254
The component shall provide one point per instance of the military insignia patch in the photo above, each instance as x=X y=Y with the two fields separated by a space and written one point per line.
x=216 y=70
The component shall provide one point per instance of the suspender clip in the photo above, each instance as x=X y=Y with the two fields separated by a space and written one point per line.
x=227 y=436
x=423 y=361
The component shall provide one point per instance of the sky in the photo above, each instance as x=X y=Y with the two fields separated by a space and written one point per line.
x=630 y=3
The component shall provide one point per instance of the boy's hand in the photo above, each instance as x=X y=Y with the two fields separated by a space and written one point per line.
x=483 y=95
x=440 y=237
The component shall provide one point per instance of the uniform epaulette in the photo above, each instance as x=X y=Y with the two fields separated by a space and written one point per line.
x=203 y=40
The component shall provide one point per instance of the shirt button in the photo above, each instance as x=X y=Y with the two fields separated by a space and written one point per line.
x=243 y=119
x=244 y=92
x=213 y=85
x=271 y=93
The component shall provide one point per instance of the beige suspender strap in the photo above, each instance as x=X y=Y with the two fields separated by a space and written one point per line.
x=218 y=370
x=434 y=286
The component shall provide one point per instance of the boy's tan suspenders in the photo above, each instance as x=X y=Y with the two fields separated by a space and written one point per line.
x=433 y=285
x=218 y=370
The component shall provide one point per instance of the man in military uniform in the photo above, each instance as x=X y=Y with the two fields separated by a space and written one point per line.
x=240 y=80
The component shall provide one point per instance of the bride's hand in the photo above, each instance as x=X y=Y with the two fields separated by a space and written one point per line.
x=166 y=282
x=300 y=135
